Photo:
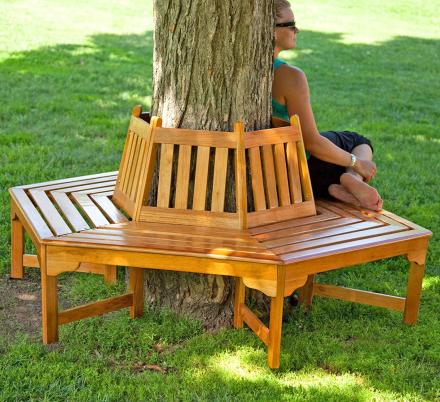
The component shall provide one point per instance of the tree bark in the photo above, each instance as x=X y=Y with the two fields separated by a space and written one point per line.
x=212 y=67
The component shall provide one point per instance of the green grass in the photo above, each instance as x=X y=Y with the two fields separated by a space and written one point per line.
x=70 y=73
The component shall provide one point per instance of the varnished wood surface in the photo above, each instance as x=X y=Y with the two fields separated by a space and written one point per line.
x=82 y=224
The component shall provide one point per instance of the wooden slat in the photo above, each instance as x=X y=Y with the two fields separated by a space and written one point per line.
x=273 y=227
x=219 y=181
x=306 y=227
x=201 y=178
x=91 y=210
x=347 y=237
x=281 y=174
x=99 y=242
x=109 y=209
x=254 y=323
x=347 y=247
x=95 y=309
x=134 y=169
x=165 y=170
x=70 y=181
x=293 y=171
x=359 y=296
x=189 y=217
x=130 y=155
x=269 y=175
x=183 y=170
x=147 y=171
x=140 y=164
x=165 y=239
x=91 y=188
x=240 y=176
x=180 y=230
x=139 y=126
x=70 y=212
x=292 y=211
x=271 y=136
x=123 y=166
x=195 y=137
x=315 y=231
x=52 y=216
x=257 y=179
x=303 y=167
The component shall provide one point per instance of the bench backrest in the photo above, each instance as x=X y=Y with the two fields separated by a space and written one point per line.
x=281 y=187
x=133 y=162
x=194 y=197
x=280 y=178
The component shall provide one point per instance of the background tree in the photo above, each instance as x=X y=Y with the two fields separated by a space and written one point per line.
x=212 y=67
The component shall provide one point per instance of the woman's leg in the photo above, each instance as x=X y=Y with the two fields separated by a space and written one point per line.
x=353 y=189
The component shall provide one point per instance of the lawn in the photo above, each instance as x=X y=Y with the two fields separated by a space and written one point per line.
x=70 y=73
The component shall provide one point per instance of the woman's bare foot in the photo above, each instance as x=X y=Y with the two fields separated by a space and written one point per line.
x=366 y=195
x=340 y=193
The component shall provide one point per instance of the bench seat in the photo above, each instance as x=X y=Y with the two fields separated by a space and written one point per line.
x=80 y=211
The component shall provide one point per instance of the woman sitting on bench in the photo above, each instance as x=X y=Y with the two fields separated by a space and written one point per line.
x=340 y=163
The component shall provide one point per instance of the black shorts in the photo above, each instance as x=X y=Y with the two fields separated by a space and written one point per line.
x=323 y=174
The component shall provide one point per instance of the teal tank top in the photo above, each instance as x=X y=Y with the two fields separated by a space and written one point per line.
x=279 y=110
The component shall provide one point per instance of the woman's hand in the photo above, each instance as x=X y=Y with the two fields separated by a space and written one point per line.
x=366 y=168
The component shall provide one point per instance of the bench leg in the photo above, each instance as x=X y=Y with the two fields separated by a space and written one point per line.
x=240 y=292
x=414 y=289
x=17 y=246
x=49 y=302
x=110 y=274
x=275 y=328
x=306 y=292
x=137 y=288
x=276 y=321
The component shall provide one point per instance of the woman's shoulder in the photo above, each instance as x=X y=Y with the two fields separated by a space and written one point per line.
x=290 y=73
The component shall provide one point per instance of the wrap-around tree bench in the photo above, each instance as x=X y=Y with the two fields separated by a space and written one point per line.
x=94 y=223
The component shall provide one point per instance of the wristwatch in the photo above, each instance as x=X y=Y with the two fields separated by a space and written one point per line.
x=353 y=160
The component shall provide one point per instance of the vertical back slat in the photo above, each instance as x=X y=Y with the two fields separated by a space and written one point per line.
x=257 y=179
x=134 y=158
x=281 y=174
x=165 y=169
x=269 y=175
x=122 y=177
x=140 y=158
x=147 y=171
x=129 y=163
x=201 y=178
x=219 y=181
x=183 y=169
x=293 y=171
x=304 y=172
x=306 y=184
x=240 y=176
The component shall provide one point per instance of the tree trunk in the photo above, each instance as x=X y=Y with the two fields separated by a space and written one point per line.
x=212 y=67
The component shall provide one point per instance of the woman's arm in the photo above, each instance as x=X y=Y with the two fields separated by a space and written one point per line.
x=297 y=98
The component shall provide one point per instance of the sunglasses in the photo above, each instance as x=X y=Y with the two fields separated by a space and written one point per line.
x=290 y=24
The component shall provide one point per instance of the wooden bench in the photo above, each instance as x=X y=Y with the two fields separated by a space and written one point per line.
x=104 y=221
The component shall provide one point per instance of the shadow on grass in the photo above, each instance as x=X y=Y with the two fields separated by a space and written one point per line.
x=64 y=113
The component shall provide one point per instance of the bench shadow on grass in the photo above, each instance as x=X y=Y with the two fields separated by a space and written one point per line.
x=66 y=112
